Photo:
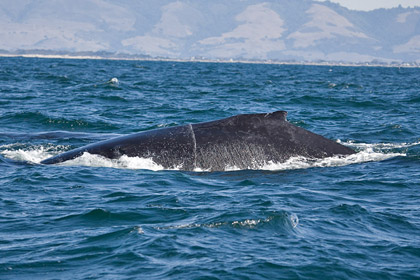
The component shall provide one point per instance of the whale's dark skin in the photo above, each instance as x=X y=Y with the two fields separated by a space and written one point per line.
x=242 y=141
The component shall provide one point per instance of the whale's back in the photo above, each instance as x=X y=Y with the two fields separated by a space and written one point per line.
x=242 y=141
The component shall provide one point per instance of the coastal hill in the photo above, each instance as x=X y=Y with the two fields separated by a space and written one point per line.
x=287 y=30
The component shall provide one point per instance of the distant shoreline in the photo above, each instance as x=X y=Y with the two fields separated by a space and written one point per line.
x=244 y=61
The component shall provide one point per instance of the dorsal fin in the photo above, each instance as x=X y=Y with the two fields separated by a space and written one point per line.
x=279 y=115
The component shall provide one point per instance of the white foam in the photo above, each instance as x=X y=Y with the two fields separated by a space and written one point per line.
x=380 y=146
x=303 y=163
x=33 y=154
x=366 y=153
x=123 y=162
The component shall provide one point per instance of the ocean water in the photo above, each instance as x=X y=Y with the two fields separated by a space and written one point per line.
x=93 y=218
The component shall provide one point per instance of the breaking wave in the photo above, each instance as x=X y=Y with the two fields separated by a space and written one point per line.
x=283 y=220
x=365 y=153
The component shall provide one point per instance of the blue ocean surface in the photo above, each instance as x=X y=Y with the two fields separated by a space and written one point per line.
x=356 y=217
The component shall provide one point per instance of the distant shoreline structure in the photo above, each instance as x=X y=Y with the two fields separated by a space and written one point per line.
x=206 y=60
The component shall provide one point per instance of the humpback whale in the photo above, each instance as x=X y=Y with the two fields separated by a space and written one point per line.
x=242 y=141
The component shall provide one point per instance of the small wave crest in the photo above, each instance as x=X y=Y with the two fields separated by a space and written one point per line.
x=281 y=220
x=365 y=153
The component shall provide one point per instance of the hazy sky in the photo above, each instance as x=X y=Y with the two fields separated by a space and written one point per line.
x=366 y=5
